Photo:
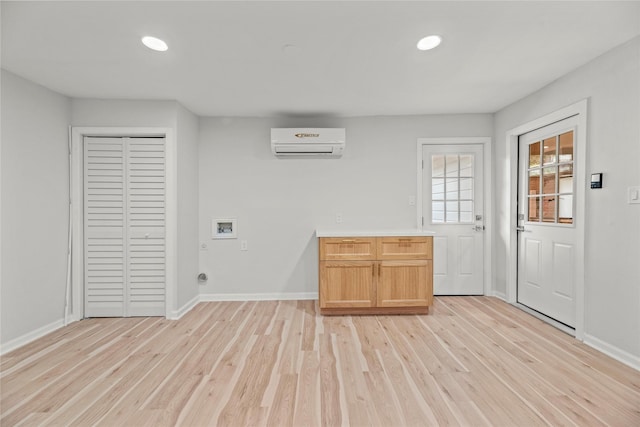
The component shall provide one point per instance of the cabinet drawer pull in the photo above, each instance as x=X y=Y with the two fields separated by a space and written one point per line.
x=349 y=240
x=405 y=240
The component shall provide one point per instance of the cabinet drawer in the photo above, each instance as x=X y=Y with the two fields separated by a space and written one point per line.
x=398 y=248
x=347 y=248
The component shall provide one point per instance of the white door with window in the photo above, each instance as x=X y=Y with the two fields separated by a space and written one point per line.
x=124 y=226
x=453 y=207
x=546 y=221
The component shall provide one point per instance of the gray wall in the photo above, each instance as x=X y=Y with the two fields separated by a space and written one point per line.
x=35 y=206
x=279 y=203
x=187 y=151
x=612 y=233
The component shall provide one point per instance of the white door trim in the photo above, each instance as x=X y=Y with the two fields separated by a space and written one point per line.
x=77 y=201
x=578 y=109
x=488 y=193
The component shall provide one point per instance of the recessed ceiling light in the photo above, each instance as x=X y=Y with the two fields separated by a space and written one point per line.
x=429 y=42
x=154 y=43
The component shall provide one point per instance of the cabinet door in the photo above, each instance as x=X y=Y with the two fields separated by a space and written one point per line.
x=347 y=284
x=347 y=248
x=405 y=283
x=401 y=248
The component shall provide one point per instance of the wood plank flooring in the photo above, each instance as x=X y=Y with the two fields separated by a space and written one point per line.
x=472 y=361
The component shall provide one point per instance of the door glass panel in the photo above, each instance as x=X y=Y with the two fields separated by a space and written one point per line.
x=452 y=211
x=566 y=147
x=556 y=187
x=437 y=211
x=549 y=209
x=437 y=189
x=452 y=189
x=466 y=165
x=466 y=211
x=549 y=146
x=466 y=188
x=534 y=182
x=451 y=185
x=534 y=209
x=534 y=154
x=565 y=179
x=549 y=180
x=437 y=165
x=452 y=165
x=566 y=171
x=565 y=209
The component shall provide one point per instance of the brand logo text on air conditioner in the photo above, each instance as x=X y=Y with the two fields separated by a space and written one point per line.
x=307 y=135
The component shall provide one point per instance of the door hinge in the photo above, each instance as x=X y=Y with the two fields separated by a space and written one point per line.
x=423 y=164
x=422 y=220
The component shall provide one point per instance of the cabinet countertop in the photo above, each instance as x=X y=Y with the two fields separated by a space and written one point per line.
x=373 y=233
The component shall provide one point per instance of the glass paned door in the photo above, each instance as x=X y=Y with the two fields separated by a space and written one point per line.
x=546 y=229
x=452 y=207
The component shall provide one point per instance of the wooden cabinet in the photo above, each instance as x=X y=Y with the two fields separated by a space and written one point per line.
x=375 y=275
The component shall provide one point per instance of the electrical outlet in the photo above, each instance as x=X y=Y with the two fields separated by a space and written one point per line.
x=338 y=218
x=243 y=245
x=412 y=200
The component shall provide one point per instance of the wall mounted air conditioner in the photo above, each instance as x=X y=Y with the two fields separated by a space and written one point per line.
x=308 y=142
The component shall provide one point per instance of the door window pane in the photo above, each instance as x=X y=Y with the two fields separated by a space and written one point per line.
x=466 y=165
x=437 y=211
x=466 y=189
x=549 y=180
x=549 y=209
x=452 y=211
x=437 y=165
x=566 y=147
x=534 y=154
x=534 y=209
x=565 y=209
x=549 y=146
x=437 y=189
x=466 y=211
x=452 y=167
x=534 y=182
x=452 y=188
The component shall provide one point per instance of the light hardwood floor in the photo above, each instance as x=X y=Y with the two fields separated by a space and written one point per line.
x=472 y=361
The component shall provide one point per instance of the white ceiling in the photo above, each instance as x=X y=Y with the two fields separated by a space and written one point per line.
x=347 y=58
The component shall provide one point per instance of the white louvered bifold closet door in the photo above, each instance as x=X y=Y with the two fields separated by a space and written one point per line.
x=124 y=227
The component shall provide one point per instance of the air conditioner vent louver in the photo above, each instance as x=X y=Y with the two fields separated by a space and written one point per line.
x=307 y=142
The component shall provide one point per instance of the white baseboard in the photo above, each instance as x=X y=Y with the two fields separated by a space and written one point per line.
x=260 y=297
x=177 y=314
x=613 y=351
x=31 y=336
x=500 y=295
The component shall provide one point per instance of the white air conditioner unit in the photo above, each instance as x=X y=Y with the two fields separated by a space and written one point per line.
x=308 y=142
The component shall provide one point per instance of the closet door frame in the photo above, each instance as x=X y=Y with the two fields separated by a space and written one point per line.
x=76 y=158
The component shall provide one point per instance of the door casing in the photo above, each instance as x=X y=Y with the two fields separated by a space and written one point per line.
x=579 y=109
x=488 y=194
x=77 y=203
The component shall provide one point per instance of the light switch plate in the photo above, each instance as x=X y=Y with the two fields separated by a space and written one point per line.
x=633 y=195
